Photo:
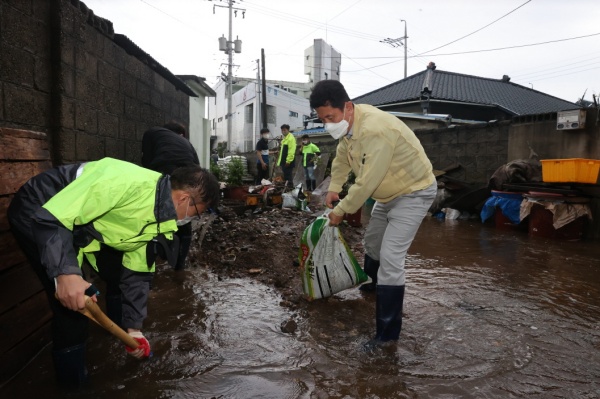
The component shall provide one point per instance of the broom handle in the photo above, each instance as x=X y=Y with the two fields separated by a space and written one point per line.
x=93 y=312
x=99 y=317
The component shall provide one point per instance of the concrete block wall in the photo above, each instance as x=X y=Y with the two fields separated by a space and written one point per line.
x=479 y=149
x=61 y=72
x=68 y=92
x=25 y=59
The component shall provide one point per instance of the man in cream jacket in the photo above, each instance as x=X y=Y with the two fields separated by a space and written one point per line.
x=390 y=166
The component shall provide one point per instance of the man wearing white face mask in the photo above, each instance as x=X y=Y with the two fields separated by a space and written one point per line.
x=116 y=216
x=390 y=166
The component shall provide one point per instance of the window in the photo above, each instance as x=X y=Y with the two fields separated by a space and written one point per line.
x=293 y=114
x=271 y=114
x=249 y=113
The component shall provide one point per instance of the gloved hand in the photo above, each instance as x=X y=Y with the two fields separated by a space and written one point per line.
x=142 y=351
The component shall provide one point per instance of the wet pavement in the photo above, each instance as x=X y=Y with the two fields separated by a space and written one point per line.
x=488 y=314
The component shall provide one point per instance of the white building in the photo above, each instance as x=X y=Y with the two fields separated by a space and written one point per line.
x=283 y=107
x=322 y=62
x=287 y=102
x=199 y=128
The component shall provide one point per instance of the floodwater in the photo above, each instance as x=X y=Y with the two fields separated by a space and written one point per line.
x=488 y=314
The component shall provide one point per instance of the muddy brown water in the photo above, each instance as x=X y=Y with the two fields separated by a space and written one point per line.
x=488 y=314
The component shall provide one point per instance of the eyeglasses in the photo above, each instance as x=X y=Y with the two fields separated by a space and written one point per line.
x=195 y=207
x=209 y=211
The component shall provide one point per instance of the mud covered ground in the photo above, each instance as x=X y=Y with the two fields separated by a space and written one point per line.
x=264 y=246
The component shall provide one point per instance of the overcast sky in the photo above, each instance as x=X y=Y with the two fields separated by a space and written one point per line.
x=461 y=36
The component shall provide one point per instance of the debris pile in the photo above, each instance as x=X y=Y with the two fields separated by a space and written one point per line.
x=263 y=246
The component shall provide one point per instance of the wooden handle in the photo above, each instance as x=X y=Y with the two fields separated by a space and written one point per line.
x=92 y=308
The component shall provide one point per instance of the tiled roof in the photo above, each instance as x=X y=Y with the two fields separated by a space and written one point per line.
x=450 y=86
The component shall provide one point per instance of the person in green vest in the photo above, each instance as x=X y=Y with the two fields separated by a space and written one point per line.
x=287 y=154
x=116 y=216
x=309 y=151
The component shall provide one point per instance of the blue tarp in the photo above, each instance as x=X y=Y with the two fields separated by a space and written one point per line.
x=510 y=207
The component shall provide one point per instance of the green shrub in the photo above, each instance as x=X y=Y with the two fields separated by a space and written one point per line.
x=235 y=172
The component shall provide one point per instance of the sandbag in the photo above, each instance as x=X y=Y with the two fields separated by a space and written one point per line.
x=327 y=265
x=288 y=201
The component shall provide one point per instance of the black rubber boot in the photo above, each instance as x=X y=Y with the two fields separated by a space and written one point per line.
x=69 y=364
x=313 y=184
x=388 y=312
x=308 y=185
x=371 y=267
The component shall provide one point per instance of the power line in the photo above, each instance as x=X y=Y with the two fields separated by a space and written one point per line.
x=564 y=74
x=312 y=23
x=537 y=71
x=480 y=29
x=481 y=51
x=510 y=47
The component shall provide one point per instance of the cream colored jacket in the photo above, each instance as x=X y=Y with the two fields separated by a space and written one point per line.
x=385 y=156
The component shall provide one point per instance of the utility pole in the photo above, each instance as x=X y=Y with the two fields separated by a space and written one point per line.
x=229 y=46
x=398 y=42
x=263 y=107
x=257 y=103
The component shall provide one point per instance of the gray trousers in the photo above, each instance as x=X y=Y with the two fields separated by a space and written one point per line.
x=392 y=229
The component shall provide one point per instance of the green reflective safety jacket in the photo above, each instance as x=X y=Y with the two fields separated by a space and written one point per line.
x=118 y=204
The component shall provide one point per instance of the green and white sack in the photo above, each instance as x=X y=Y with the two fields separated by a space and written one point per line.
x=327 y=264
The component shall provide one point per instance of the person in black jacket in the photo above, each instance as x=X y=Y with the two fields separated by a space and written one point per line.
x=165 y=149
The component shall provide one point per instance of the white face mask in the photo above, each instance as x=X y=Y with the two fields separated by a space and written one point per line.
x=339 y=129
x=304 y=142
x=265 y=136
x=186 y=219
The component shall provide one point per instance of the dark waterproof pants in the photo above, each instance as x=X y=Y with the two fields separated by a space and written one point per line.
x=288 y=174
x=185 y=240
x=260 y=172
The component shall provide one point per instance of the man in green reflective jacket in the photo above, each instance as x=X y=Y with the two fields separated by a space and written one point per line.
x=119 y=217
x=287 y=155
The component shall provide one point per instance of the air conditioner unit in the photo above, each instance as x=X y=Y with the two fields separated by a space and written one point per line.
x=570 y=120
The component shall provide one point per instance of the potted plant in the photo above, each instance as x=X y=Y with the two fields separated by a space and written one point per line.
x=235 y=179
x=216 y=170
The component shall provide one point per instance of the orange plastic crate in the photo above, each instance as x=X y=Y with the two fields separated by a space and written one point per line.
x=575 y=170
